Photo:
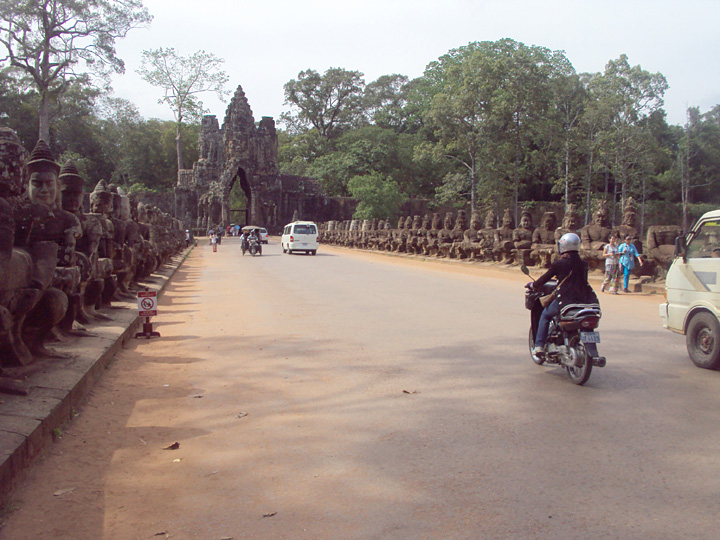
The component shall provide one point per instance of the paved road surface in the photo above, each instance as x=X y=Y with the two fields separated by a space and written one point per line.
x=357 y=396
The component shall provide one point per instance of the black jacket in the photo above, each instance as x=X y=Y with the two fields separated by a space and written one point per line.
x=576 y=288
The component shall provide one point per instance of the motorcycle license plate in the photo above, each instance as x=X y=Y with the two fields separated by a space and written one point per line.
x=590 y=337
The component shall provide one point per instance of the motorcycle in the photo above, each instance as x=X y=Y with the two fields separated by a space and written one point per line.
x=254 y=248
x=572 y=335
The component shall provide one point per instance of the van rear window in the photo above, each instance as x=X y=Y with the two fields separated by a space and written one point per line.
x=305 y=229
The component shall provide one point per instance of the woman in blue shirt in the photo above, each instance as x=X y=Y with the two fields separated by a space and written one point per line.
x=628 y=254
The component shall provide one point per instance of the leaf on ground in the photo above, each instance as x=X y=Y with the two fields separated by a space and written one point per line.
x=270 y=514
x=61 y=492
x=241 y=415
x=173 y=446
x=197 y=397
x=410 y=391
x=162 y=533
x=227 y=538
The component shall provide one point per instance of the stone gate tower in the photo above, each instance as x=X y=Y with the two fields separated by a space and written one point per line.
x=242 y=152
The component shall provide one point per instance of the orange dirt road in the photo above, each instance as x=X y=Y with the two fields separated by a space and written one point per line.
x=360 y=396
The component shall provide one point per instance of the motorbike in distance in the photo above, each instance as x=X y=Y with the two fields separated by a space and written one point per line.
x=254 y=246
x=572 y=335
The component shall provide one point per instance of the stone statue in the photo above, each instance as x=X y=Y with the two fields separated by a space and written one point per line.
x=469 y=248
x=522 y=238
x=629 y=225
x=570 y=222
x=503 y=245
x=18 y=295
x=543 y=240
x=594 y=236
x=445 y=236
x=487 y=236
x=50 y=235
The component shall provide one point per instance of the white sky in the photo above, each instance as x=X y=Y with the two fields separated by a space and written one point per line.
x=265 y=43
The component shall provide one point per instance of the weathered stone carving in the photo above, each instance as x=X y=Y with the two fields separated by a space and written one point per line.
x=543 y=240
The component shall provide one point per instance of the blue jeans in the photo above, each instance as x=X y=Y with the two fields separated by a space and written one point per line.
x=626 y=275
x=548 y=314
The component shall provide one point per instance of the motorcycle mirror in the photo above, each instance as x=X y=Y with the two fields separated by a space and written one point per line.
x=525 y=270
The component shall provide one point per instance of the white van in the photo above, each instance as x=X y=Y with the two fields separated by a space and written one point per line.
x=692 y=291
x=300 y=236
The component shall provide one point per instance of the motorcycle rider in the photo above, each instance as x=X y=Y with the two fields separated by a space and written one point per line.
x=571 y=273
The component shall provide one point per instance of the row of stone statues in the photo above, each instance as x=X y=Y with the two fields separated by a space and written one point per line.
x=58 y=263
x=525 y=244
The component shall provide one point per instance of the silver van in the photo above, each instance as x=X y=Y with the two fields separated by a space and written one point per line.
x=300 y=236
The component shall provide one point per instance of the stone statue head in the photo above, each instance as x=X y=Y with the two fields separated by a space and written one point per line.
x=125 y=208
x=508 y=222
x=12 y=164
x=417 y=222
x=461 y=221
x=427 y=220
x=408 y=223
x=629 y=213
x=401 y=223
x=525 y=220
x=101 y=199
x=549 y=221
x=71 y=187
x=490 y=219
x=435 y=223
x=475 y=222
x=571 y=220
x=601 y=216
x=43 y=170
x=449 y=220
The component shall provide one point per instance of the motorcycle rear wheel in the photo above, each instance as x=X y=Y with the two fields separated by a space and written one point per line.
x=579 y=374
x=531 y=342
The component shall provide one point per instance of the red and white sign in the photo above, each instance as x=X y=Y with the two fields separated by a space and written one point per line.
x=147 y=303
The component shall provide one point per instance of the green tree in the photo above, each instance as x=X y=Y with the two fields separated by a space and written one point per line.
x=330 y=103
x=45 y=40
x=628 y=96
x=377 y=197
x=182 y=79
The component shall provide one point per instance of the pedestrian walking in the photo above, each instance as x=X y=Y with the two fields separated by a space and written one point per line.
x=187 y=238
x=612 y=266
x=214 y=241
x=628 y=254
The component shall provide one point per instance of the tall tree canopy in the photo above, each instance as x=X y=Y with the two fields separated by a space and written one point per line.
x=330 y=103
x=46 y=40
x=182 y=79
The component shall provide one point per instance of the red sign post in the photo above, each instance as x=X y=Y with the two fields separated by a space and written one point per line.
x=147 y=307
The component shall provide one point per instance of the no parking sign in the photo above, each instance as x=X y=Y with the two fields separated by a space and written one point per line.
x=147 y=303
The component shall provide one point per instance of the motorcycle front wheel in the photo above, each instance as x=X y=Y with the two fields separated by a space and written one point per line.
x=531 y=342
x=580 y=372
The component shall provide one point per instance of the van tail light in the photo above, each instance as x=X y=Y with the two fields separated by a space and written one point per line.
x=292 y=239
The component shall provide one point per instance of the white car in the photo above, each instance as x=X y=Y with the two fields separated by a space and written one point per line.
x=300 y=236
x=263 y=235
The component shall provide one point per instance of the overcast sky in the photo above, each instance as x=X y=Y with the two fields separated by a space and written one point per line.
x=265 y=43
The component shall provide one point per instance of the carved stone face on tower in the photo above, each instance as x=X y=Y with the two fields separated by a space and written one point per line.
x=42 y=188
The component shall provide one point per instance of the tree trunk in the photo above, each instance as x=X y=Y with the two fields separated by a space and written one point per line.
x=44 y=116
x=178 y=143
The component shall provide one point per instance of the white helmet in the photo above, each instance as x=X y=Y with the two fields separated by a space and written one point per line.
x=569 y=242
